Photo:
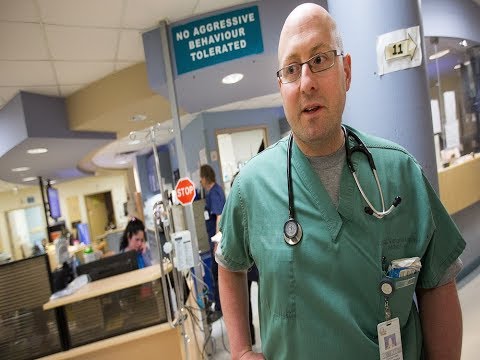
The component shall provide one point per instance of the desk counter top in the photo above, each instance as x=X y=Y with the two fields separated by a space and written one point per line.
x=109 y=285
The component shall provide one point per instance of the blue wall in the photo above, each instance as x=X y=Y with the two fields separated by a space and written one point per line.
x=146 y=168
x=13 y=129
x=214 y=121
x=201 y=133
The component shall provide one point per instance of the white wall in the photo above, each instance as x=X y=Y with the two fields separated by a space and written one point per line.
x=116 y=184
x=10 y=200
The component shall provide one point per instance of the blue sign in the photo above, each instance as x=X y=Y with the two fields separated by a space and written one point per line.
x=216 y=39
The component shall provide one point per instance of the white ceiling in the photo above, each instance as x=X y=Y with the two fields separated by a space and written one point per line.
x=56 y=47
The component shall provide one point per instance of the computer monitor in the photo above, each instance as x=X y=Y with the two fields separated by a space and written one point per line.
x=109 y=266
x=53 y=203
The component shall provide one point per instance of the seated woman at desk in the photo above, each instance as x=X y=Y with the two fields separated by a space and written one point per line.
x=134 y=239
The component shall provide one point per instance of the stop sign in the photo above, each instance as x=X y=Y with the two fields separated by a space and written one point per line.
x=185 y=190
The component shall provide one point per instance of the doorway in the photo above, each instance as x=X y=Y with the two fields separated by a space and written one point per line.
x=100 y=213
x=236 y=147
x=27 y=229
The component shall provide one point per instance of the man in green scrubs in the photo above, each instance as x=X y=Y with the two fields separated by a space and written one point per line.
x=321 y=298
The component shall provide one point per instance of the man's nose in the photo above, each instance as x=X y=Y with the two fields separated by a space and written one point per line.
x=307 y=80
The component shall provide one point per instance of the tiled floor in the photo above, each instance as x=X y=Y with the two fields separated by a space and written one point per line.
x=469 y=293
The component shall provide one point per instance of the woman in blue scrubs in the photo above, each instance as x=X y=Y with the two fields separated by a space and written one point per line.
x=134 y=239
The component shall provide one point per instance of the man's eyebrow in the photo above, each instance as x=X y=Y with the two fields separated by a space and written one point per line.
x=294 y=58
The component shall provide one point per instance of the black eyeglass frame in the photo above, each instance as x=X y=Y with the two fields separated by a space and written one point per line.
x=335 y=52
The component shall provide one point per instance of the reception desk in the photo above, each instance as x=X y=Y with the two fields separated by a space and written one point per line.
x=119 y=317
x=459 y=184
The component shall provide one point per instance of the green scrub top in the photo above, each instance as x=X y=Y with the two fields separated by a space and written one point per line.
x=321 y=298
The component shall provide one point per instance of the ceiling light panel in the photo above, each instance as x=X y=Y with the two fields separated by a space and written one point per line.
x=28 y=179
x=20 y=169
x=439 y=54
x=36 y=151
x=232 y=78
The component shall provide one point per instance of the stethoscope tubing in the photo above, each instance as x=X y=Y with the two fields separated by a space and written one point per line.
x=370 y=209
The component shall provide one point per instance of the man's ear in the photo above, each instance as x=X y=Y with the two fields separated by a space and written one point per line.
x=279 y=83
x=347 y=69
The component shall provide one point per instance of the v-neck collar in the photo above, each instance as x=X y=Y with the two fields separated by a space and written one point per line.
x=320 y=197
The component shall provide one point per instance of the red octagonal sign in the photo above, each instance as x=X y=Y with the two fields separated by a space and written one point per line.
x=185 y=190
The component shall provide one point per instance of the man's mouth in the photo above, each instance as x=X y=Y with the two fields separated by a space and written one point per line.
x=311 y=109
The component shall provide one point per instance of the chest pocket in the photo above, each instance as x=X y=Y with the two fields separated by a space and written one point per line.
x=277 y=281
x=401 y=301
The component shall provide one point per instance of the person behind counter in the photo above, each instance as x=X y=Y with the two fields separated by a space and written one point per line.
x=134 y=238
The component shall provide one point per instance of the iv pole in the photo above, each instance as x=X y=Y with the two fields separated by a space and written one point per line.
x=182 y=163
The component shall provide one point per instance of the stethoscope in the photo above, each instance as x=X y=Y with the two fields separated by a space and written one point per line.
x=292 y=230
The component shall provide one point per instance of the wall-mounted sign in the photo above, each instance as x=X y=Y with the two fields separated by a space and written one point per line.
x=399 y=50
x=216 y=39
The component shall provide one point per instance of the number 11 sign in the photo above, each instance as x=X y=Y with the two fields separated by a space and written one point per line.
x=399 y=50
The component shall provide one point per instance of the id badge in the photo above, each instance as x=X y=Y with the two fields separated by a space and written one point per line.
x=206 y=215
x=390 y=340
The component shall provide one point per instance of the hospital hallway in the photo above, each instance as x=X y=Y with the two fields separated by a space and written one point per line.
x=469 y=294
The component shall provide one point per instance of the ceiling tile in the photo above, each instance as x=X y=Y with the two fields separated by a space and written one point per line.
x=120 y=65
x=14 y=10
x=75 y=43
x=67 y=90
x=29 y=42
x=7 y=93
x=143 y=14
x=131 y=46
x=104 y=13
x=76 y=73
x=26 y=73
x=205 y=6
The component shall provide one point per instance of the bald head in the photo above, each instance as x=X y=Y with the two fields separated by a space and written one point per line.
x=301 y=17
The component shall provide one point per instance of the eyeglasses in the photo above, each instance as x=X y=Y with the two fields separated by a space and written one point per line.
x=317 y=63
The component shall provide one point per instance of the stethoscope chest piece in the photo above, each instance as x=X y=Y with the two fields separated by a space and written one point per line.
x=292 y=232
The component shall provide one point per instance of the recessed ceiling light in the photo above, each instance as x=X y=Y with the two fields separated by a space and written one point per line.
x=456 y=67
x=37 y=151
x=138 y=117
x=21 y=168
x=122 y=162
x=134 y=142
x=463 y=43
x=232 y=78
x=30 y=178
x=439 y=54
x=52 y=182
x=466 y=63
